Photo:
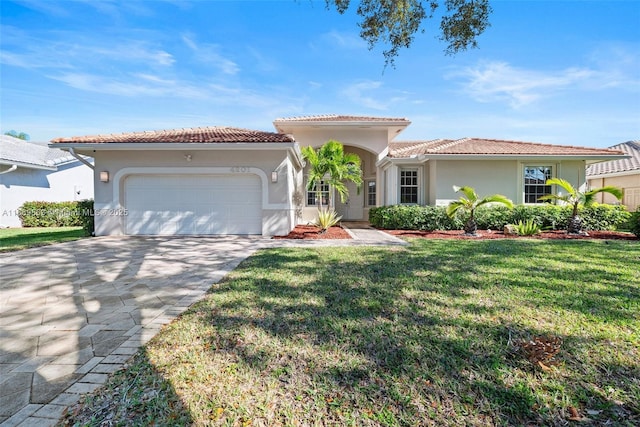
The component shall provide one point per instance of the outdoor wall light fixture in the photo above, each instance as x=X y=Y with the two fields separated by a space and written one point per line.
x=104 y=176
x=274 y=176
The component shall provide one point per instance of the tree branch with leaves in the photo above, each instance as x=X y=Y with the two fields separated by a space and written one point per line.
x=395 y=23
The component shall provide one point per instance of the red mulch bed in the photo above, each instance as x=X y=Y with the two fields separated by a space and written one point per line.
x=485 y=234
x=306 y=232
x=312 y=232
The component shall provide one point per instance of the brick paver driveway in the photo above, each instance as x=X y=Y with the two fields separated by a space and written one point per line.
x=72 y=313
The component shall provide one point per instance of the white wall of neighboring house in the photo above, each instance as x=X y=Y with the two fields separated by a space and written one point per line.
x=72 y=181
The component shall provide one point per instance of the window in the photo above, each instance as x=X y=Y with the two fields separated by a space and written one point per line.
x=409 y=186
x=371 y=193
x=534 y=183
x=313 y=196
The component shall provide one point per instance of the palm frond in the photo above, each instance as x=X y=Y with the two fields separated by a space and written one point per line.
x=589 y=196
x=454 y=206
x=469 y=192
x=496 y=198
x=566 y=185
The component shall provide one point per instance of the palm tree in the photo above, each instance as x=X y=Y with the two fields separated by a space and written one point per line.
x=575 y=198
x=470 y=203
x=332 y=165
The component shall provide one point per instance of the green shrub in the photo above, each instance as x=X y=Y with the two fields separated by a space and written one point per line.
x=527 y=228
x=87 y=216
x=634 y=223
x=413 y=217
x=493 y=218
x=603 y=217
x=49 y=214
x=546 y=216
x=57 y=214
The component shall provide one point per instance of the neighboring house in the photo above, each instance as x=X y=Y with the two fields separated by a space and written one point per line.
x=30 y=171
x=622 y=173
x=221 y=180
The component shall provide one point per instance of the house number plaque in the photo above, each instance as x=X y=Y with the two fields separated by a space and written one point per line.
x=240 y=169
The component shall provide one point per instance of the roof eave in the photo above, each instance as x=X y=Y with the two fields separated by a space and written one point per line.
x=594 y=158
x=613 y=174
x=323 y=123
x=171 y=146
x=393 y=127
x=27 y=165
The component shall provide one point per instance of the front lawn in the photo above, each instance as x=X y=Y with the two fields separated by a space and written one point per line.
x=15 y=239
x=442 y=333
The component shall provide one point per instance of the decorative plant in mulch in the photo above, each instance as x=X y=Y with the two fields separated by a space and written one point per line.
x=469 y=202
x=576 y=199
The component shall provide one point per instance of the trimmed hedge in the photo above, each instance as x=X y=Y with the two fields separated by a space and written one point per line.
x=634 y=223
x=87 y=216
x=547 y=216
x=57 y=214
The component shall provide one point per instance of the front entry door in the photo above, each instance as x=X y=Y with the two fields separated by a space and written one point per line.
x=353 y=207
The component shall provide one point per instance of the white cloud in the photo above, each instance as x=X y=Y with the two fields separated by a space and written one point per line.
x=360 y=94
x=344 y=40
x=52 y=50
x=371 y=94
x=46 y=7
x=130 y=85
x=499 y=81
x=209 y=54
x=609 y=67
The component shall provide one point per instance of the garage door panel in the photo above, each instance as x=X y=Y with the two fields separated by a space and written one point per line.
x=201 y=204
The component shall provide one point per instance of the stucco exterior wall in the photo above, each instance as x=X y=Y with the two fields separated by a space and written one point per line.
x=630 y=185
x=438 y=176
x=486 y=177
x=72 y=181
x=278 y=210
x=373 y=140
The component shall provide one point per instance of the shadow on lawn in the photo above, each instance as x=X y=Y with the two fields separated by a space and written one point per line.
x=408 y=336
x=385 y=335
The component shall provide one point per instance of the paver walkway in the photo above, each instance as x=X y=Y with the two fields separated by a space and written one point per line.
x=72 y=313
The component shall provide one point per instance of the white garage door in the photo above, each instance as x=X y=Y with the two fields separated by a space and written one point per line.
x=193 y=204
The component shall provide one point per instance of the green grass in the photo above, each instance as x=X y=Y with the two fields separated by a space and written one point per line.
x=15 y=239
x=429 y=334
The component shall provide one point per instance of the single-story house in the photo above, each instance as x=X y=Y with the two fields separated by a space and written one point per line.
x=622 y=173
x=31 y=171
x=223 y=180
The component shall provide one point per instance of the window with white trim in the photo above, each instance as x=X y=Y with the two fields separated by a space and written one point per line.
x=371 y=193
x=535 y=178
x=409 y=186
x=321 y=190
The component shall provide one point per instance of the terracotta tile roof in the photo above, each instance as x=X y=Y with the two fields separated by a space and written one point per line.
x=341 y=118
x=480 y=146
x=203 y=135
x=631 y=148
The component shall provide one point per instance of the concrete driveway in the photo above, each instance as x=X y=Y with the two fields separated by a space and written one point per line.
x=72 y=313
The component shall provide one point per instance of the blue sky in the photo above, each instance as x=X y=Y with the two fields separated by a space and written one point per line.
x=561 y=72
